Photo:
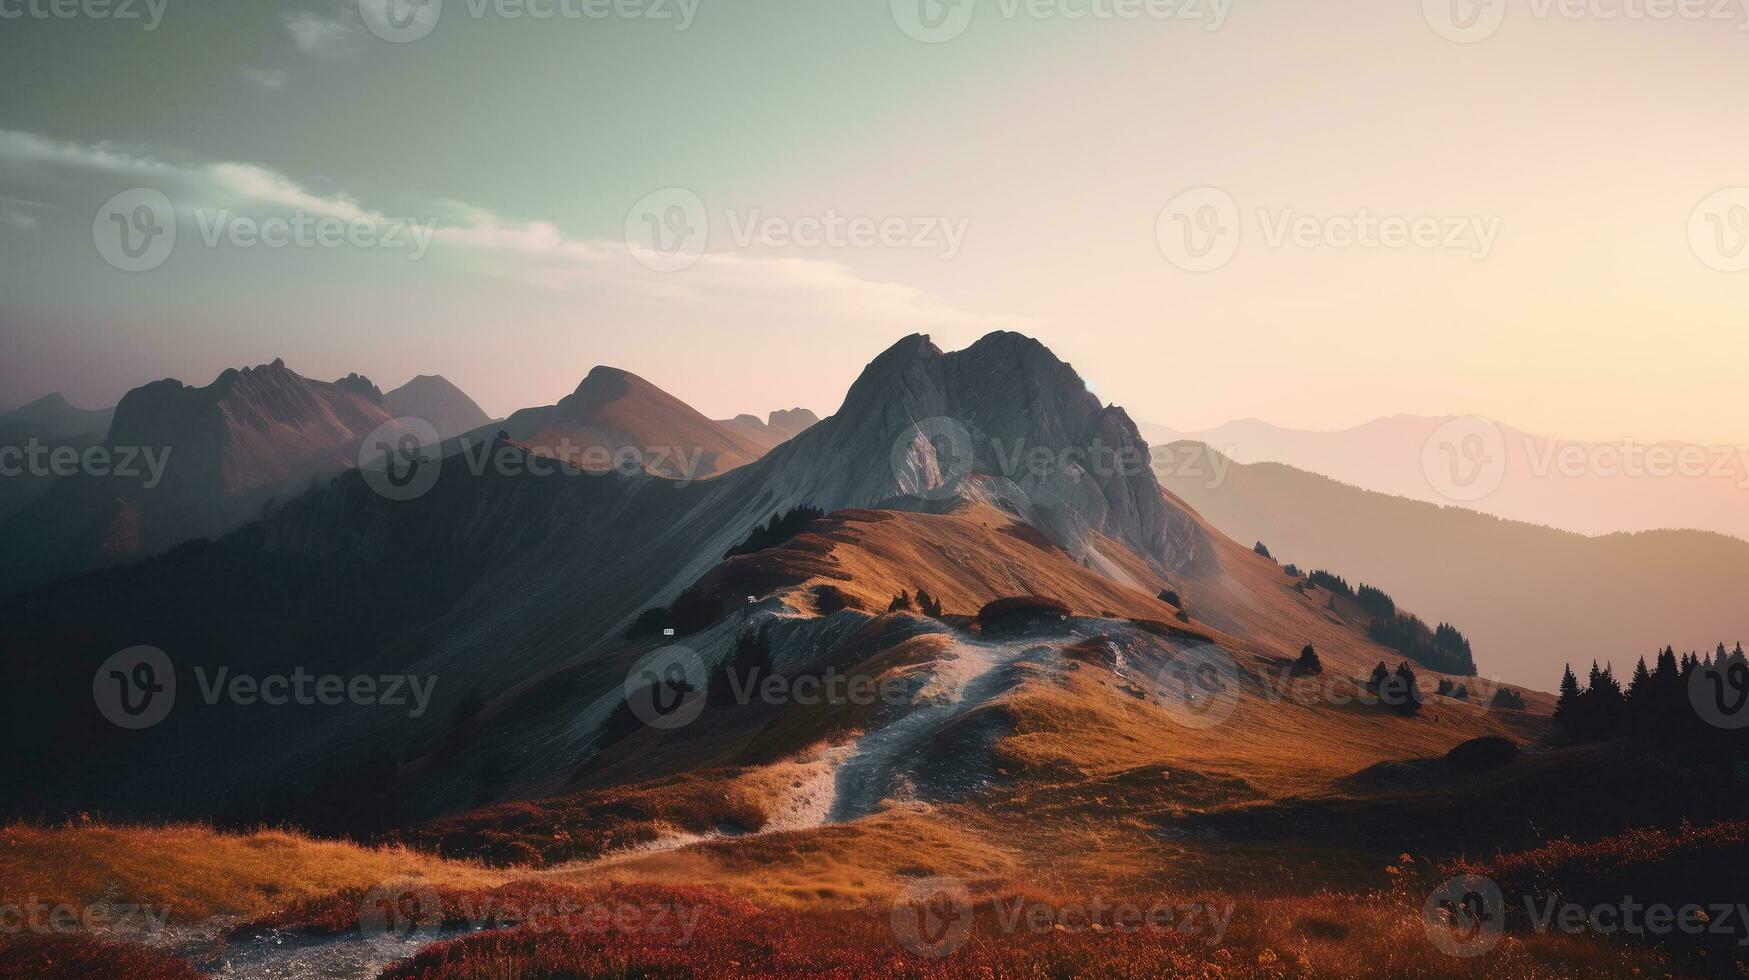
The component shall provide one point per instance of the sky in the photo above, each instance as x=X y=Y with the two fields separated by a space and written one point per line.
x=1312 y=212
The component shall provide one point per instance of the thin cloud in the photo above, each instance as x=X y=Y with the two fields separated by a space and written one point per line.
x=536 y=253
x=271 y=79
x=326 y=36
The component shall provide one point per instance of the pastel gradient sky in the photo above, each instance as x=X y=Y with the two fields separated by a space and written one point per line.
x=1056 y=141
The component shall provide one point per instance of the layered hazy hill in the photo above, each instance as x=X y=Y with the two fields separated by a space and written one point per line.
x=1588 y=487
x=252 y=435
x=1531 y=598
x=51 y=417
x=48 y=423
x=615 y=413
x=433 y=398
x=779 y=427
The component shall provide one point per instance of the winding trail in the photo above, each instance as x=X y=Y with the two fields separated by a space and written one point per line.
x=883 y=758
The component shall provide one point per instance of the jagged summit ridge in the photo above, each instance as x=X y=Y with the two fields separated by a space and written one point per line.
x=1004 y=420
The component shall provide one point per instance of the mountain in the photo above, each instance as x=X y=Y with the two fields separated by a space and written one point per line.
x=1587 y=487
x=188 y=462
x=433 y=398
x=983 y=474
x=1531 y=598
x=43 y=426
x=781 y=426
x=617 y=419
x=51 y=417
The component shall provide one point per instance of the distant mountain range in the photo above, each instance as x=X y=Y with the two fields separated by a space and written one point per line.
x=522 y=591
x=1588 y=487
x=184 y=463
x=1531 y=598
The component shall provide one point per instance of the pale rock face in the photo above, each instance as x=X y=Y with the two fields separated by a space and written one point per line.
x=433 y=398
x=1003 y=421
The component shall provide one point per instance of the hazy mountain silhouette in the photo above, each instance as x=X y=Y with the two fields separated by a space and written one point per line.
x=433 y=398
x=1531 y=598
x=1588 y=487
x=226 y=449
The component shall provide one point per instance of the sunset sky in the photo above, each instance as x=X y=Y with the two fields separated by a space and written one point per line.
x=1584 y=145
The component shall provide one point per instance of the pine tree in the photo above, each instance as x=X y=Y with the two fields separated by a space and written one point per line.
x=1380 y=675
x=1641 y=684
x=1309 y=662
x=1408 y=691
x=1569 y=699
x=900 y=602
x=928 y=605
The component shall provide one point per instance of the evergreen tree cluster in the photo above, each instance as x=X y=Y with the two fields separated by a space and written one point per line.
x=1396 y=690
x=925 y=603
x=1657 y=708
x=1331 y=581
x=1263 y=550
x=779 y=529
x=744 y=670
x=1376 y=602
x=1443 y=649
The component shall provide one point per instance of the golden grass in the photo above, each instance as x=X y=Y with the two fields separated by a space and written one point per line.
x=198 y=872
